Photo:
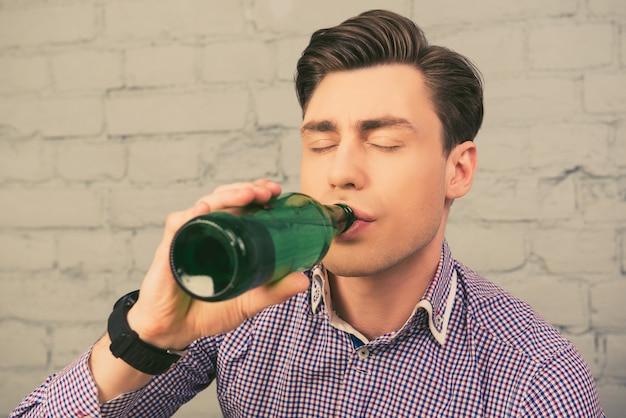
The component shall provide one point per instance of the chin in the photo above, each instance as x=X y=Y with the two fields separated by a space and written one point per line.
x=351 y=266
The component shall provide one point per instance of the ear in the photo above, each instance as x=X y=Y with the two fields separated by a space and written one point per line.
x=460 y=170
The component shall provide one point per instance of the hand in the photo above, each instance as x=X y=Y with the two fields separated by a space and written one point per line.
x=167 y=317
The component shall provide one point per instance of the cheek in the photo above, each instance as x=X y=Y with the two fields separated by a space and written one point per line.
x=308 y=178
x=414 y=180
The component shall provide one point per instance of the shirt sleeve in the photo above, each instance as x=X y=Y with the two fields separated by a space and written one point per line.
x=563 y=387
x=73 y=393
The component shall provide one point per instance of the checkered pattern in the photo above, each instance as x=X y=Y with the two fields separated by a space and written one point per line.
x=470 y=349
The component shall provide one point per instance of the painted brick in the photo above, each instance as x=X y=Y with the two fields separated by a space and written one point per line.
x=556 y=149
x=304 y=17
x=247 y=159
x=623 y=253
x=161 y=65
x=608 y=8
x=47 y=25
x=448 y=12
x=161 y=161
x=211 y=145
x=504 y=198
x=148 y=207
x=69 y=341
x=90 y=160
x=23 y=74
x=32 y=340
x=27 y=251
x=623 y=45
x=41 y=208
x=601 y=94
x=496 y=50
x=611 y=396
x=569 y=306
x=576 y=251
x=290 y=152
x=143 y=246
x=94 y=250
x=619 y=147
x=130 y=113
x=121 y=284
x=493 y=143
x=172 y=18
x=570 y=45
x=277 y=106
x=60 y=297
x=238 y=61
x=87 y=69
x=71 y=116
x=616 y=361
x=602 y=199
x=288 y=52
x=30 y=160
x=503 y=247
x=20 y=114
x=16 y=383
x=608 y=313
x=530 y=101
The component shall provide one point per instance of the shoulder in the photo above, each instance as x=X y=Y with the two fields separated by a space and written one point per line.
x=559 y=382
x=563 y=386
x=511 y=321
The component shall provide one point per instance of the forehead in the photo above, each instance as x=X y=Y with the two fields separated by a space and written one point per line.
x=392 y=89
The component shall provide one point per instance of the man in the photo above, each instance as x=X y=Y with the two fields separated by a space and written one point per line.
x=389 y=324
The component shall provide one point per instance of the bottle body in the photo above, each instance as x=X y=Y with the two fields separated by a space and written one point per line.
x=219 y=255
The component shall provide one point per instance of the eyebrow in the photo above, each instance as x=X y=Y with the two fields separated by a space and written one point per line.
x=363 y=125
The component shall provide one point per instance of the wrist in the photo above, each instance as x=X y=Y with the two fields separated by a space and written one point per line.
x=158 y=333
x=127 y=345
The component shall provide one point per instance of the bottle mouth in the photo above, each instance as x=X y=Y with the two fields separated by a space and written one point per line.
x=203 y=277
x=348 y=218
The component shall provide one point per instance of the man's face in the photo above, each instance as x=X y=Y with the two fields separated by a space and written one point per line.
x=371 y=139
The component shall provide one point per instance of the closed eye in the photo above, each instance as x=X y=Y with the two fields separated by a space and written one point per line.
x=386 y=148
x=321 y=150
x=320 y=146
x=384 y=143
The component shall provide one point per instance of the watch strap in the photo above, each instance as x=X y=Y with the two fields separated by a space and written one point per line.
x=126 y=344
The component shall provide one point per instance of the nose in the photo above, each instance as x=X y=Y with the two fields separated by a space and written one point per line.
x=348 y=169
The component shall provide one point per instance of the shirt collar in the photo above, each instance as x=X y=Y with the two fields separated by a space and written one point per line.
x=437 y=301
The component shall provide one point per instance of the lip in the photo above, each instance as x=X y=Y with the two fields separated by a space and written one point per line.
x=361 y=221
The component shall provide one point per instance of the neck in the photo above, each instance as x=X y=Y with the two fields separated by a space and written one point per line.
x=381 y=303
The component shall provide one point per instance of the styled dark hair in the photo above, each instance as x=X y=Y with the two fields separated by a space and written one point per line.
x=380 y=37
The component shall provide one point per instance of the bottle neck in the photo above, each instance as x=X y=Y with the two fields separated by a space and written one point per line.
x=343 y=216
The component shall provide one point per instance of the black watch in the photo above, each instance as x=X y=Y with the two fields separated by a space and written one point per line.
x=125 y=342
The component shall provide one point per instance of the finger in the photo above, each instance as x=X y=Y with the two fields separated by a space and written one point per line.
x=269 y=184
x=224 y=197
x=241 y=194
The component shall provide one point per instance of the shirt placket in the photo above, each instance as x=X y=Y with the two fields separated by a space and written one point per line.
x=356 y=389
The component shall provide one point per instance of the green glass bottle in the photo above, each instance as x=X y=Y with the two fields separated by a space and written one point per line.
x=219 y=255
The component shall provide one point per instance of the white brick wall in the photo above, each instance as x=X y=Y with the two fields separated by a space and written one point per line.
x=114 y=113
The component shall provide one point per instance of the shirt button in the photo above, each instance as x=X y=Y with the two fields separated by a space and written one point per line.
x=438 y=320
x=363 y=352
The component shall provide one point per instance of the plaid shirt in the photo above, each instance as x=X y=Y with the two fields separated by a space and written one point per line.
x=469 y=349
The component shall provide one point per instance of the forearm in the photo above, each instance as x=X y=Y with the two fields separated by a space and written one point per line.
x=112 y=375
x=70 y=392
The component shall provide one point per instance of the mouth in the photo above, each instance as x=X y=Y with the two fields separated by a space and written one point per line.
x=361 y=221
